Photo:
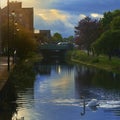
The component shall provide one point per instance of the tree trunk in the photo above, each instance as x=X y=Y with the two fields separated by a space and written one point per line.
x=93 y=52
x=88 y=52
x=110 y=57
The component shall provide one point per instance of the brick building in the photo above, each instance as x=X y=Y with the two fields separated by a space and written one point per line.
x=23 y=16
x=43 y=36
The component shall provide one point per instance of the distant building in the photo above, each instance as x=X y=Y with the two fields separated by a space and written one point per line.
x=43 y=36
x=45 y=33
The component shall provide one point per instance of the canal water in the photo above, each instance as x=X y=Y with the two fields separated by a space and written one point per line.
x=63 y=92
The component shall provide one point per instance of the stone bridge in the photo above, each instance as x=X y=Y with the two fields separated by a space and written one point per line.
x=55 y=50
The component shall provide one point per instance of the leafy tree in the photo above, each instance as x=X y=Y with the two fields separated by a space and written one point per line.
x=87 y=31
x=69 y=39
x=108 y=43
x=115 y=24
x=57 y=37
x=116 y=13
x=4 y=33
x=23 y=41
x=107 y=19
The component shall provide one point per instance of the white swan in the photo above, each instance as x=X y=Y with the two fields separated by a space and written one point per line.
x=93 y=103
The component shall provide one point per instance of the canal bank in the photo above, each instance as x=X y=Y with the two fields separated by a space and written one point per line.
x=100 y=62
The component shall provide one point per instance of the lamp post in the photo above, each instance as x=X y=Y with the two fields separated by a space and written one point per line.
x=16 y=34
x=8 y=41
x=13 y=18
x=0 y=28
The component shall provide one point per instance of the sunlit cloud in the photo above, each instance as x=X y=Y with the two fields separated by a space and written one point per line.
x=38 y=3
x=95 y=15
x=52 y=15
x=81 y=16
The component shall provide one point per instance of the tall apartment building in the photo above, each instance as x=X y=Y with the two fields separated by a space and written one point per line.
x=23 y=16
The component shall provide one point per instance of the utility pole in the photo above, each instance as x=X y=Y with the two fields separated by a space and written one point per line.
x=8 y=41
x=0 y=30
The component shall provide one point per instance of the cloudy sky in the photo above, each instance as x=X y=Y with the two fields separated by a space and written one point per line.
x=63 y=15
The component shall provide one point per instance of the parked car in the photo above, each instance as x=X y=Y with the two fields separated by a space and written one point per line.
x=63 y=43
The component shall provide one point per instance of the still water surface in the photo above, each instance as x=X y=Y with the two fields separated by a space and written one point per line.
x=58 y=90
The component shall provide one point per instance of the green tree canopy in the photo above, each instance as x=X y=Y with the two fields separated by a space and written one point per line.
x=108 y=43
x=115 y=23
x=69 y=39
x=23 y=41
x=108 y=18
x=57 y=37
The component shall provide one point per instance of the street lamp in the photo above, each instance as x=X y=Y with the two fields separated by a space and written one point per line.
x=8 y=41
x=13 y=18
x=0 y=30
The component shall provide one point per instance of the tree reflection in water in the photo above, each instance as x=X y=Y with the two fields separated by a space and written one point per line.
x=7 y=107
x=97 y=84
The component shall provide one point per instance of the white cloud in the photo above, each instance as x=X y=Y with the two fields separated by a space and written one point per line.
x=81 y=16
x=96 y=15
x=52 y=15
x=38 y=3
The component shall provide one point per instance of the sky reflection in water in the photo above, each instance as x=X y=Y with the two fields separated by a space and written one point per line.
x=57 y=92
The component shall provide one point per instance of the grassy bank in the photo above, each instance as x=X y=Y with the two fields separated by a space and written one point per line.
x=101 y=62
